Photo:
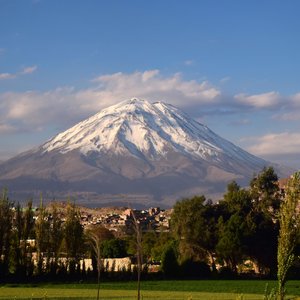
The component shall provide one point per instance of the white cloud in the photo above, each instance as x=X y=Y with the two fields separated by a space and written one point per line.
x=290 y=109
x=288 y=116
x=31 y=110
x=6 y=128
x=25 y=71
x=295 y=100
x=265 y=100
x=274 y=144
x=189 y=62
x=28 y=70
x=4 y=76
x=151 y=85
x=65 y=106
x=225 y=79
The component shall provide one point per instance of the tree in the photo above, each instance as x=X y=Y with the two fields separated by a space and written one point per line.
x=259 y=236
x=237 y=200
x=42 y=237
x=230 y=243
x=232 y=189
x=73 y=236
x=96 y=236
x=114 y=248
x=17 y=257
x=289 y=221
x=28 y=233
x=149 y=242
x=261 y=241
x=55 y=236
x=153 y=244
x=5 y=232
x=29 y=221
x=169 y=262
x=163 y=239
x=193 y=222
x=265 y=191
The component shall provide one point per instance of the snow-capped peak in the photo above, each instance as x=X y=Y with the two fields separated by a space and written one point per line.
x=141 y=128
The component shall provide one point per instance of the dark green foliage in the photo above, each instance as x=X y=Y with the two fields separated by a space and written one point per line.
x=238 y=200
x=113 y=248
x=226 y=273
x=261 y=243
x=73 y=234
x=265 y=191
x=42 y=238
x=294 y=272
x=242 y=226
x=230 y=244
x=194 y=224
x=256 y=233
x=29 y=222
x=195 y=269
x=148 y=243
x=169 y=262
x=5 y=232
x=55 y=237
x=154 y=244
x=17 y=256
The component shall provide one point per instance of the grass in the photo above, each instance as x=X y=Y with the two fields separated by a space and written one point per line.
x=78 y=294
x=193 y=290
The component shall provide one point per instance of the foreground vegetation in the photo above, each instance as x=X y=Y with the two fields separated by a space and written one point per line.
x=252 y=232
x=204 y=289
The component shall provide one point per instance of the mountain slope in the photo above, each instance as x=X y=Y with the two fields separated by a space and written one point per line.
x=151 y=151
x=143 y=129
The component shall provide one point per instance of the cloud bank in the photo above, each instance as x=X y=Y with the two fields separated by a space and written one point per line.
x=31 y=109
x=280 y=147
x=64 y=106
x=272 y=144
x=265 y=100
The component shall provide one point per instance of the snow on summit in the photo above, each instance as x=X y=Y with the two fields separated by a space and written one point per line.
x=140 y=128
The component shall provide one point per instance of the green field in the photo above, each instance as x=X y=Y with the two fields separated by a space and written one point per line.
x=201 y=289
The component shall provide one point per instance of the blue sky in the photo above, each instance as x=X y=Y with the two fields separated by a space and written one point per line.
x=233 y=65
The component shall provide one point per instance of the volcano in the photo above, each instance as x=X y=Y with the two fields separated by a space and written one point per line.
x=135 y=152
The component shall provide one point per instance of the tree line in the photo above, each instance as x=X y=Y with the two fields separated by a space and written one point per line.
x=206 y=239
x=44 y=244
x=32 y=244
x=242 y=226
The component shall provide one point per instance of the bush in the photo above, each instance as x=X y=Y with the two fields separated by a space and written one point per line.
x=294 y=272
x=195 y=269
x=226 y=273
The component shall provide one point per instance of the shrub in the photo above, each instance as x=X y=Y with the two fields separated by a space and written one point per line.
x=195 y=269
x=226 y=273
